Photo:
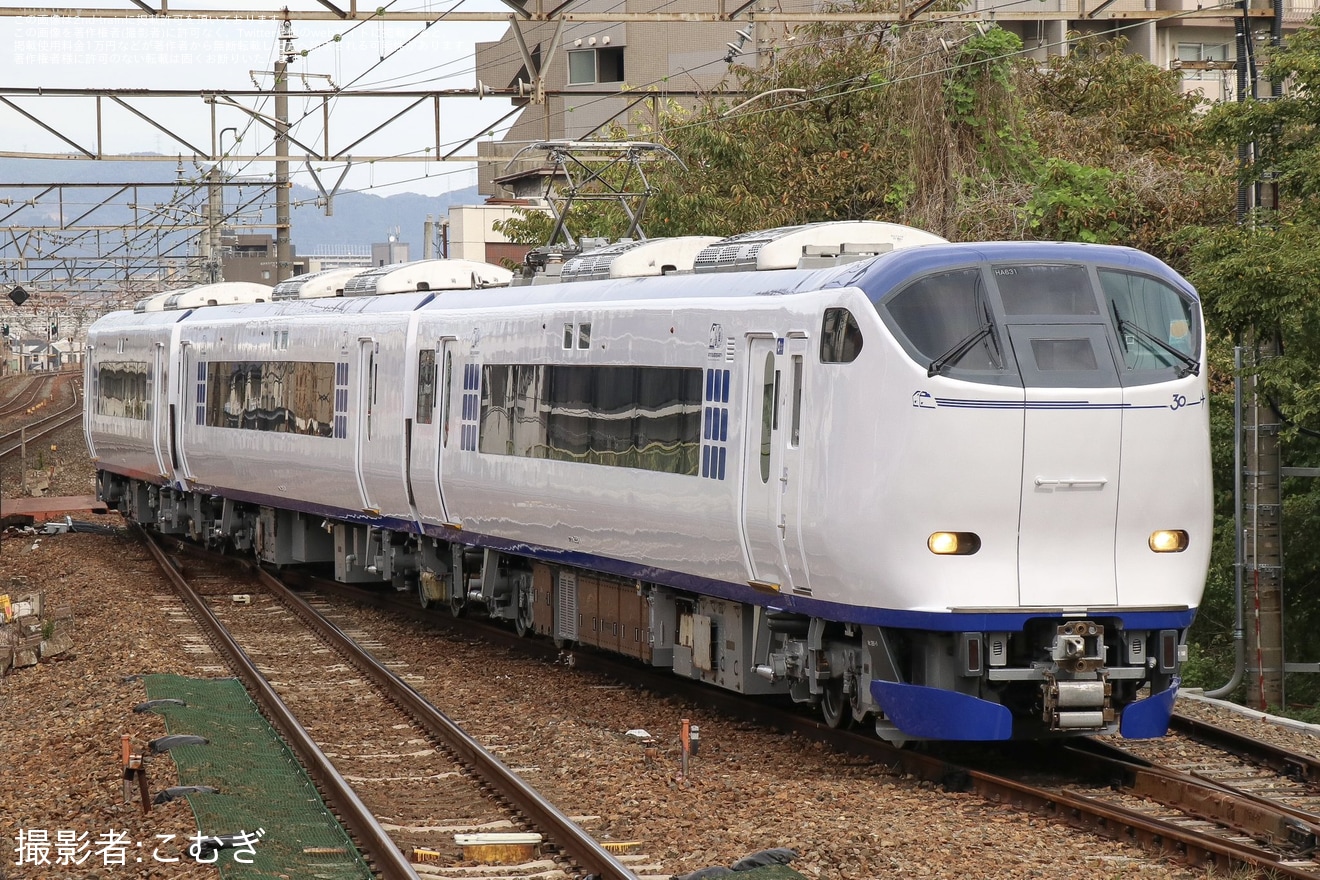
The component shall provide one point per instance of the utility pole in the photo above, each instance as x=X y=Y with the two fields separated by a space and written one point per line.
x=215 y=212
x=1262 y=502
x=283 y=250
x=1263 y=539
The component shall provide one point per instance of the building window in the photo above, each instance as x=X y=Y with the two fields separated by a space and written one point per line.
x=1192 y=57
x=587 y=66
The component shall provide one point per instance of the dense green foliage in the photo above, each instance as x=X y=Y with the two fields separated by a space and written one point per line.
x=944 y=127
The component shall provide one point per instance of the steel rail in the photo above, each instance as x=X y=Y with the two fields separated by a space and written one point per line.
x=562 y=831
x=26 y=397
x=40 y=428
x=1280 y=760
x=1285 y=827
x=383 y=853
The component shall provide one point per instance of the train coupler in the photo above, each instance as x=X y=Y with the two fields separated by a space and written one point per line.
x=1077 y=705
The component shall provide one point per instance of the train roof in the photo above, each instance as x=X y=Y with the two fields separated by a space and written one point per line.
x=880 y=276
x=876 y=277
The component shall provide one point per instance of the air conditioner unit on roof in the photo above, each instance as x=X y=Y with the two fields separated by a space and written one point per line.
x=809 y=246
x=636 y=259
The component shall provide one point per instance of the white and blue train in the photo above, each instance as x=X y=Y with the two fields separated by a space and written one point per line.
x=960 y=491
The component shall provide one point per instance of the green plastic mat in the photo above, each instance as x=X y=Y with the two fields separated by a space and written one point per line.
x=771 y=872
x=262 y=788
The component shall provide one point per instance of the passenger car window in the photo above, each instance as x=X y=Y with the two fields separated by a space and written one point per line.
x=840 y=337
x=1156 y=325
x=425 y=385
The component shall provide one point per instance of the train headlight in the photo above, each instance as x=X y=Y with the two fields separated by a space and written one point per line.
x=953 y=543
x=1168 y=541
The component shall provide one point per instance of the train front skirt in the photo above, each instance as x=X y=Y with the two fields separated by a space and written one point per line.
x=933 y=713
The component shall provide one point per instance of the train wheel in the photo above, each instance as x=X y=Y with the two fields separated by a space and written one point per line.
x=522 y=623
x=421 y=594
x=457 y=606
x=835 y=707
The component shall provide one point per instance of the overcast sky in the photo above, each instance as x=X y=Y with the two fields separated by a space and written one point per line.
x=194 y=53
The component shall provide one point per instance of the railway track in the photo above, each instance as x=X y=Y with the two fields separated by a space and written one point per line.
x=1240 y=805
x=47 y=421
x=1224 y=801
x=30 y=393
x=405 y=758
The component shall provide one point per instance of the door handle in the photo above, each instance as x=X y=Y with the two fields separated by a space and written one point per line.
x=1071 y=483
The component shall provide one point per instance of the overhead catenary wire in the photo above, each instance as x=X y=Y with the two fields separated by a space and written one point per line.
x=834 y=90
x=821 y=93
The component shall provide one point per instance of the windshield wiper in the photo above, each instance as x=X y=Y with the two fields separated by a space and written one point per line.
x=1190 y=364
x=955 y=354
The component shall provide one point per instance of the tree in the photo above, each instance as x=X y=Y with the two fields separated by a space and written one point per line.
x=857 y=121
x=1123 y=156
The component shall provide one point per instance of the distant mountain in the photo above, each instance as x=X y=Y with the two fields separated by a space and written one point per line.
x=359 y=219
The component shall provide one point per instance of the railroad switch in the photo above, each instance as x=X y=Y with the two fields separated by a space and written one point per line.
x=135 y=768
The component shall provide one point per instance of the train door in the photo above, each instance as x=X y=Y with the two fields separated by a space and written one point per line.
x=793 y=438
x=764 y=476
x=1070 y=460
x=366 y=414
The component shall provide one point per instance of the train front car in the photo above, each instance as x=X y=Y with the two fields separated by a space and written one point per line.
x=1030 y=501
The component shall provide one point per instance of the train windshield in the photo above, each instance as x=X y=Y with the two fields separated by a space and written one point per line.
x=957 y=323
x=948 y=324
x=1156 y=326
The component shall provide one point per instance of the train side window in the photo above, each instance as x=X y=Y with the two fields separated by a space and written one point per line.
x=795 y=435
x=288 y=397
x=769 y=393
x=584 y=336
x=425 y=385
x=122 y=389
x=448 y=390
x=568 y=336
x=371 y=392
x=648 y=418
x=840 y=337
